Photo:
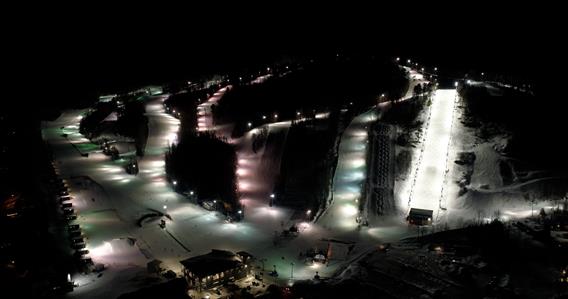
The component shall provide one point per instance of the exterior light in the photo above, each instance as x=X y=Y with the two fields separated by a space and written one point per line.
x=435 y=68
x=398 y=59
x=249 y=124
x=275 y=115
x=240 y=211
x=264 y=117
x=165 y=207
x=191 y=192
x=272 y=195
x=175 y=182
x=408 y=61
x=456 y=84
x=308 y=212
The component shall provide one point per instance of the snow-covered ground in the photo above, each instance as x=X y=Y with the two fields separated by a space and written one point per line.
x=487 y=197
x=433 y=177
x=350 y=176
x=486 y=168
x=427 y=185
x=261 y=79
x=109 y=202
x=404 y=184
x=204 y=117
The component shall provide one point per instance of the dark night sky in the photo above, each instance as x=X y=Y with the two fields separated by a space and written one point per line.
x=94 y=50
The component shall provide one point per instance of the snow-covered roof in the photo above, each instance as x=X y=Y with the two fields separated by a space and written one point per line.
x=421 y=212
x=111 y=117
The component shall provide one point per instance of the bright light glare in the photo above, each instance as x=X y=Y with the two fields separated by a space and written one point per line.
x=102 y=250
x=357 y=162
x=349 y=210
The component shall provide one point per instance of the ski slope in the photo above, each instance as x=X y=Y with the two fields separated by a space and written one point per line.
x=429 y=180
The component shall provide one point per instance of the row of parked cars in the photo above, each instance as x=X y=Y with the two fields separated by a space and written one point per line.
x=74 y=232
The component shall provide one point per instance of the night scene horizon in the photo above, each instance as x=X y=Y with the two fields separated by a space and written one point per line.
x=234 y=162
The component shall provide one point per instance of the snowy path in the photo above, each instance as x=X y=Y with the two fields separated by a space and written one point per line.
x=430 y=178
x=350 y=176
x=340 y=217
x=204 y=114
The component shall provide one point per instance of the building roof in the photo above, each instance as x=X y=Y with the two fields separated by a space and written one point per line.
x=113 y=116
x=216 y=261
x=421 y=212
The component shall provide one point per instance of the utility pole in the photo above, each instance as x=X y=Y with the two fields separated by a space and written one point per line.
x=292 y=271
x=262 y=261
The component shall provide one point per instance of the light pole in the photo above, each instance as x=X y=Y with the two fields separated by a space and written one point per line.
x=292 y=271
x=272 y=196
x=262 y=261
